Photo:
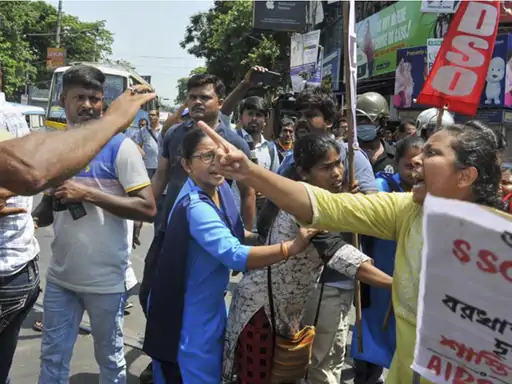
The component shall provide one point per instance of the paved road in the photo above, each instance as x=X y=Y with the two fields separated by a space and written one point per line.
x=83 y=366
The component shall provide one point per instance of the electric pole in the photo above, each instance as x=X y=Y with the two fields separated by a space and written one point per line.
x=59 y=21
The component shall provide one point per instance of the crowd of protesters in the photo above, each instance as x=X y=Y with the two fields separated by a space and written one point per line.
x=228 y=191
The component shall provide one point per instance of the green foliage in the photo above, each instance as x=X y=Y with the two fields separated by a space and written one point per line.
x=28 y=29
x=224 y=37
x=182 y=85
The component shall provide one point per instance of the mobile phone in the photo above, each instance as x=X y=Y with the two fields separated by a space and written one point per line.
x=266 y=78
x=76 y=210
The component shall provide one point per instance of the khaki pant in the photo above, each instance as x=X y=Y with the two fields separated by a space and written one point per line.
x=329 y=347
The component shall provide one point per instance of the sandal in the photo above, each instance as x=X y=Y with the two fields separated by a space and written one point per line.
x=37 y=326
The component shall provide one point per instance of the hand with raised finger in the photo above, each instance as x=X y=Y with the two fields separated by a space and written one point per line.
x=230 y=161
x=126 y=106
x=248 y=75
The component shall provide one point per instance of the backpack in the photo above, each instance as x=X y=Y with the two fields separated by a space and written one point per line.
x=392 y=184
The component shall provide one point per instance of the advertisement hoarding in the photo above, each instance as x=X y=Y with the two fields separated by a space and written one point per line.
x=401 y=25
x=331 y=73
x=410 y=76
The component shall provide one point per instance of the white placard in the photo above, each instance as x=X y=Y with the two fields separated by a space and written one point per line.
x=441 y=6
x=464 y=328
x=433 y=47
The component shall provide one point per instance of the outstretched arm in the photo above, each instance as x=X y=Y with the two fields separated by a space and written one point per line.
x=39 y=160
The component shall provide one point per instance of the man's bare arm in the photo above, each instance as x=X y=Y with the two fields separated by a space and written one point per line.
x=247 y=204
x=175 y=118
x=39 y=160
x=231 y=102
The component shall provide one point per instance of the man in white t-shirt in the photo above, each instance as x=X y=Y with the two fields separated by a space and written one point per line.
x=92 y=217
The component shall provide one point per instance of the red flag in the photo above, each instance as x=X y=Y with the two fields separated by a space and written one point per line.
x=457 y=78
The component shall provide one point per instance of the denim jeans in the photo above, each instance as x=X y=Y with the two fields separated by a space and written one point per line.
x=63 y=311
x=18 y=293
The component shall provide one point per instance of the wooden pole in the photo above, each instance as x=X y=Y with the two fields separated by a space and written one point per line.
x=388 y=316
x=439 y=120
x=351 y=170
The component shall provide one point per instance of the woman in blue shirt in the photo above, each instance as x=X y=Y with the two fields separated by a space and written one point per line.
x=378 y=344
x=203 y=240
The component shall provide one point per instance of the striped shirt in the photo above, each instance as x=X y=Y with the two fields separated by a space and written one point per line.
x=91 y=254
x=17 y=242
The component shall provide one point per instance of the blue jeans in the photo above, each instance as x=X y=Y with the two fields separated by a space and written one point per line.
x=63 y=311
x=18 y=293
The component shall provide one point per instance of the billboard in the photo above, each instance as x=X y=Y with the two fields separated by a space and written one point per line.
x=331 y=72
x=494 y=95
x=410 y=75
x=401 y=25
x=287 y=16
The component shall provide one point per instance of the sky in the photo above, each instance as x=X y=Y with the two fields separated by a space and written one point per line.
x=147 y=34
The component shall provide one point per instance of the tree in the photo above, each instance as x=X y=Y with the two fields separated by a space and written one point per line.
x=224 y=37
x=28 y=29
x=182 y=85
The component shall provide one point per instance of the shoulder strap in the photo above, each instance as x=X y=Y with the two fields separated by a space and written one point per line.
x=152 y=134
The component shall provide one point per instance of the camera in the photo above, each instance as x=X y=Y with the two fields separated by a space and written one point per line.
x=76 y=210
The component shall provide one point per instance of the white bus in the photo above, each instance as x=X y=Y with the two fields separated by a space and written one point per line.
x=117 y=79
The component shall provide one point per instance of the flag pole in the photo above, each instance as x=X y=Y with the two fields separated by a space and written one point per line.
x=351 y=149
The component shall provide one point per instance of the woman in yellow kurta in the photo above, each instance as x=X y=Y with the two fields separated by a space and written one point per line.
x=460 y=162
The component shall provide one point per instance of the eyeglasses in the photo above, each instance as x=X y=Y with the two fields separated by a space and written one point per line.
x=206 y=157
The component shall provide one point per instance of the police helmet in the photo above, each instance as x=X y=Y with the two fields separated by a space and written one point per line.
x=427 y=120
x=373 y=106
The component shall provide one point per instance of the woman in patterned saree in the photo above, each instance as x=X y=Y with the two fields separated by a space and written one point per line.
x=459 y=162
x=248 y=333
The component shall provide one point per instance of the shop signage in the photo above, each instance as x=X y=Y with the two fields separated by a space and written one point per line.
x=304 y=50
x=460 y=70
x=331 y=73
x=433 y=46
x=55 y=57
x=401 y=25
x=287 y=16
x=440 y=6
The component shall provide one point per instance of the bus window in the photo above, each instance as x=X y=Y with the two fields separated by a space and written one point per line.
x=133 y=81
x=114 y=86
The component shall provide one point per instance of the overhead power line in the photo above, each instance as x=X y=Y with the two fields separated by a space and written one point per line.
x=161 y=57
